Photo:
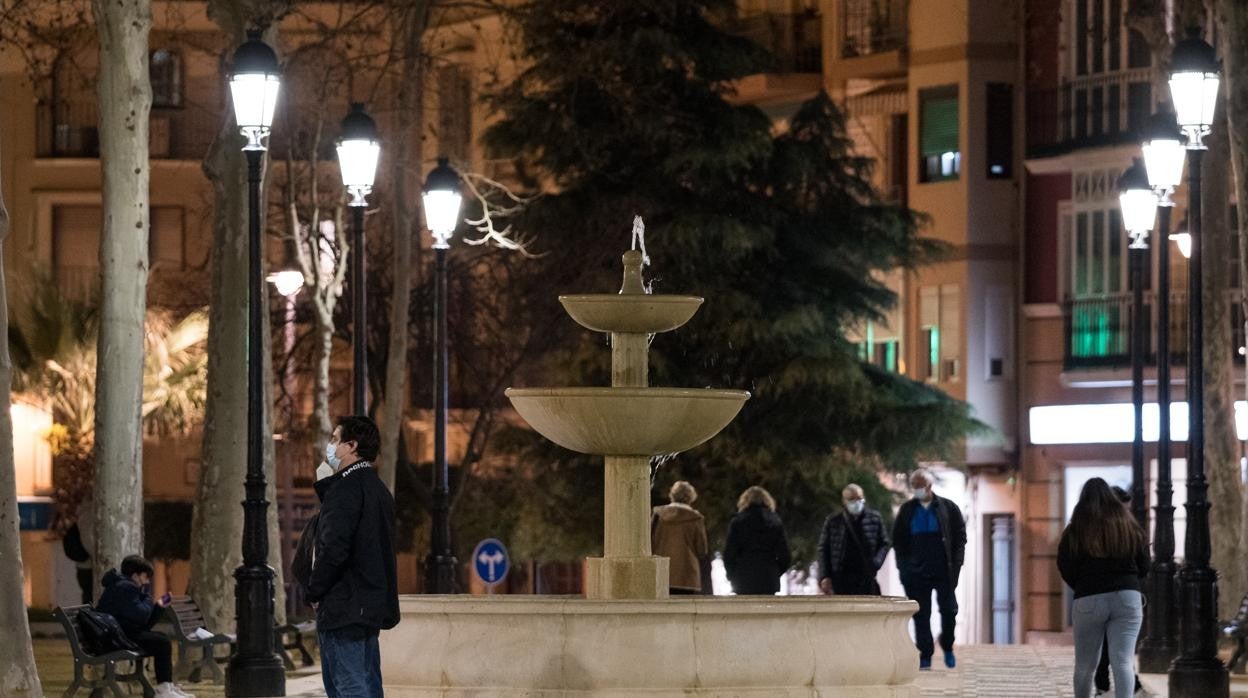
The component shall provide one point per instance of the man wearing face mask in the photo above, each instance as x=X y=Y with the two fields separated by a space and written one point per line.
x=930 y=538
x=352 y=583
x=852 y=547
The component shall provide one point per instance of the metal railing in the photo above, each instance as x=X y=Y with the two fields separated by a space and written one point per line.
x=1089 y=111
x=795 y=40
x=1097 y=331
x=873 y=26
x=69 y=127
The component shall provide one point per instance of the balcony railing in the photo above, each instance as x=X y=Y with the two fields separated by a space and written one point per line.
x=69 y=128
x=1098 y=330
x=1089 y=111
x=872 y=26
x=796 y=40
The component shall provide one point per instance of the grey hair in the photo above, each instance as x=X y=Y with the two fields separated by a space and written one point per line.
x=852 y=488
x=925 y=473
x=755 y=495
x=682 y=492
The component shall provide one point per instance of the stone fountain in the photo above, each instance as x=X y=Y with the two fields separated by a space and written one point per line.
x=627 y=637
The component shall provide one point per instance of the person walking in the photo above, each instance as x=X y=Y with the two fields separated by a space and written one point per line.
x=1101 y=679
x=852 y=547
x=127 y=597
x=353 y=585
x=929 y=536
x=678 y=532
x=1103 y=557
x=757 y=551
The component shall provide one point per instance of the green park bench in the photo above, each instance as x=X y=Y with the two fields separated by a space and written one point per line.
x=87 y=667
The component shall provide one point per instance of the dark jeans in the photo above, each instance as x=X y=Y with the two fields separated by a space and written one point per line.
x=921 y=590
x=156 y=646
x=350 y=663
x=1102 y=670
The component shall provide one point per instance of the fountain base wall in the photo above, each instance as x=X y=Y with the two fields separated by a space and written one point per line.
x=460 y=646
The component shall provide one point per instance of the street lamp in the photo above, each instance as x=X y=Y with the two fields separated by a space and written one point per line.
x=1197 y=670
x=441 y=205
x=255 y=669
x=358 y=150
x=1164 y=152
x=288 y=282
x=1139 y=208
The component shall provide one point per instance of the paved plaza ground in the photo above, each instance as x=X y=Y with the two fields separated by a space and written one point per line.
x=984 y=671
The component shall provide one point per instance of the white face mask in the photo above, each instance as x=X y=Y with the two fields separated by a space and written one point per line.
x=920 y=493
x=331 y=455
x=855 y=507
x=323 y=471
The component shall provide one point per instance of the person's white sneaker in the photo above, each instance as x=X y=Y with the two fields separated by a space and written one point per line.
x=170 y=690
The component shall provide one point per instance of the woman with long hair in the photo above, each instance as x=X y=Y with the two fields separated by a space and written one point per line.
x=1103 y=557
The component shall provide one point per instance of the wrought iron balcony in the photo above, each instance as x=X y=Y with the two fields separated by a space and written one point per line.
x=873 y=26
x=1098 y=330
x=1089 y=111
x=68 y=128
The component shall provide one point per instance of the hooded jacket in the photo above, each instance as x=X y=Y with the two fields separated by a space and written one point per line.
x=679 y=534
x=128 y=603
x=353 y=578
x=756 y=552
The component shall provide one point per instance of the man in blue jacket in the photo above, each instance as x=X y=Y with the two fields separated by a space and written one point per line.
x=929 y=536
x=128 y=598
x=353 y=584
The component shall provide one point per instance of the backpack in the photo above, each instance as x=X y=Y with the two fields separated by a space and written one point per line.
x=102 y=634
x=305 y=553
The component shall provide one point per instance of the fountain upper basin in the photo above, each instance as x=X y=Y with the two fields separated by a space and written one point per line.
x=627 y=421
x=639 y=313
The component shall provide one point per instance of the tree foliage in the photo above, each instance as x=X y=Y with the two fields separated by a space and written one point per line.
x=627 y=108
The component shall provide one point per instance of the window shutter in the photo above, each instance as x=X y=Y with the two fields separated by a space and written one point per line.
x=939 y=127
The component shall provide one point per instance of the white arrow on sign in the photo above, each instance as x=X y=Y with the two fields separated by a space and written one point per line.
x=492 y=559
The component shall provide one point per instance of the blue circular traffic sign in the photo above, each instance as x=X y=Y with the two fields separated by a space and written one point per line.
x=490 y=561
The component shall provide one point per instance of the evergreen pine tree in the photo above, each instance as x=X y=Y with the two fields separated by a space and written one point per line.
x=626 y=108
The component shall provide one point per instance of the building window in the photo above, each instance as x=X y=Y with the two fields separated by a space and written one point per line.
x=879 y=348
x=1000 y=144
x=164 y=68
x=940 y=157
x=940 y=329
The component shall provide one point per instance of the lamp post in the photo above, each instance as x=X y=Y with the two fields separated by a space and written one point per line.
x=358 y=150
x=442 y=200
x=1197 y=670
x=1163 y=158
x=1139 y=208
x=254 y=668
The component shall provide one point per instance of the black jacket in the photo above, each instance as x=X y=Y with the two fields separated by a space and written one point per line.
x=353 y=575
x=1087 y=575
x=832 y=541
x=952 y=534
x=757 y=551
x=128 y=603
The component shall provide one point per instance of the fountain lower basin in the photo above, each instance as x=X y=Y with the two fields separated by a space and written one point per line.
x=627 y=421
x=831 y=647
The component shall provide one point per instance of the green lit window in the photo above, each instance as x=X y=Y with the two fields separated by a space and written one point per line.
x=940 y=156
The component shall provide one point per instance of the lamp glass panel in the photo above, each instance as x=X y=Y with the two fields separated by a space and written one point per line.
x=255 y=99
x=442 y=211
x=358 y=161
x=1139 y=207
x=1164 y=158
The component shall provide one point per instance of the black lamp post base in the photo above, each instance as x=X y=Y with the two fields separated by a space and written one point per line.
x=247 y=677
x=440 y=574
x=1160 y=645
x=1203 y=678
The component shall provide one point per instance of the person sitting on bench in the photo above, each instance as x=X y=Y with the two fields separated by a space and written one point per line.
x=128 y=598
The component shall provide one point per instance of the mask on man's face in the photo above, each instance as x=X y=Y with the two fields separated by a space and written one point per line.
x=920 y=493
x=855 y=507
x=331 y=455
